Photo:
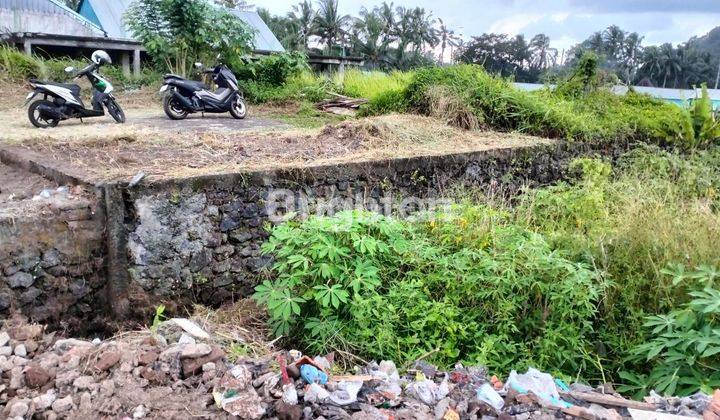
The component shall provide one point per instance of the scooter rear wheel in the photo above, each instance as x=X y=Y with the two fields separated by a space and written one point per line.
x=36 y=117
x=173 y=108
x=115 y=111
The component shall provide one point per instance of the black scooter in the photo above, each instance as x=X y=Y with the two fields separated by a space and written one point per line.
x=183 y=97
x=62 y=101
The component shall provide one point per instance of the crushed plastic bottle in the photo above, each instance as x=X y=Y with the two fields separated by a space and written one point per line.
x=486 y=393
x=346 y=392
x=539 y=383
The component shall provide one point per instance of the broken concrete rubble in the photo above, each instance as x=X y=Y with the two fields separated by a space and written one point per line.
x=146 y=375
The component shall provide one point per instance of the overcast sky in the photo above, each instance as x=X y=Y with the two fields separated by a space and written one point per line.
x=565 y=21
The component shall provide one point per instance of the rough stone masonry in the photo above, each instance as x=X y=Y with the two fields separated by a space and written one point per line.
x=199 y=239
x=123 y=251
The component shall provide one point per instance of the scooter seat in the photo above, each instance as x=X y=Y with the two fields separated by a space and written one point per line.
x=75 y=89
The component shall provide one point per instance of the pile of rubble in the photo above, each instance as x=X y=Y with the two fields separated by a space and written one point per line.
x=180 y=371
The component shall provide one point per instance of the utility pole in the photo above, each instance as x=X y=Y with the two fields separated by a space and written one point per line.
x=717 y=78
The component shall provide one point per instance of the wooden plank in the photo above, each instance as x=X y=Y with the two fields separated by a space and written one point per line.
x=609 y=400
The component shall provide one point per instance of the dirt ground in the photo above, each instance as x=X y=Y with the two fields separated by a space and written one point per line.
x=99 y=150
x=118 y=152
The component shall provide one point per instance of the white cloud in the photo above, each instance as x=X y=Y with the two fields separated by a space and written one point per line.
x=514 y=25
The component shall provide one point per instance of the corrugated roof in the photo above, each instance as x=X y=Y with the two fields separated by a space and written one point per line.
x=48 y=7
x=265 y=40
x=661 y=93
x=109 y=14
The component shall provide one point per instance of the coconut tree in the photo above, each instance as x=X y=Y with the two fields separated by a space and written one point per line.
x=669 y=61
x=542 y=55
x=368 y=39
x=447 y=39
x=614 y=40
x=329 y=24
x=302 y=18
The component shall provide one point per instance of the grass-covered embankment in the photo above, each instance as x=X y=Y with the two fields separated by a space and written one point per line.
x=564 y=281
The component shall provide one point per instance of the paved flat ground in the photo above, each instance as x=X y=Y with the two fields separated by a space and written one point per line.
x=216 y=123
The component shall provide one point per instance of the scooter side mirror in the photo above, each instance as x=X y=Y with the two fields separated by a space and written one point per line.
x=69 y=69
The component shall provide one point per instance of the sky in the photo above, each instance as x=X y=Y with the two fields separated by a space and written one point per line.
x=567 y=22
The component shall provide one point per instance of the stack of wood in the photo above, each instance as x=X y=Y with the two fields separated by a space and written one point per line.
x=341 y=104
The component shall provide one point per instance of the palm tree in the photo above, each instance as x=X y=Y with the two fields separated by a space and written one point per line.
x=447 y=38
x=303 y=18
x=614 y=40
x=669 y=61
x=368 y=38
x=329 y=25
x=542 y=54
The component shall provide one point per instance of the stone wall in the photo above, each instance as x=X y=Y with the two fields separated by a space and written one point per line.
x=52 y=266
x=199 y=239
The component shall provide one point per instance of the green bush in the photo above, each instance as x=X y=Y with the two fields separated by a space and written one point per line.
x=465 y=287
x=391 y=101
x=18 y=66
x=300 y=87
x=683 y=346
x=596 y=115
x=272 y=70
x=565 y=279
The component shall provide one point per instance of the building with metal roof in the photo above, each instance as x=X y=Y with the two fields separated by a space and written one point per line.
x=108 y=15
x=44 y=16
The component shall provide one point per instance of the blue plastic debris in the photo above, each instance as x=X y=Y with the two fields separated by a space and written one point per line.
x=311 y=374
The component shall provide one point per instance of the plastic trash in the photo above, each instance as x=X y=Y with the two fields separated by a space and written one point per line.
x=315 y=393
x=323 y=362
x=289 y=395
x=561 y=385
x=346 y=392
x=311 y=374
x=539 y=383
x=423 y=391
x=487 y=394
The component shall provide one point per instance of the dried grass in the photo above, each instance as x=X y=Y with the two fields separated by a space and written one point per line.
x=100 y=150
x=451 y=108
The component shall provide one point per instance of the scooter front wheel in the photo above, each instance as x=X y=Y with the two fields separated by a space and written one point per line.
x=115 y=111
x=238 y=109
x=173 y=108
x=38 y=119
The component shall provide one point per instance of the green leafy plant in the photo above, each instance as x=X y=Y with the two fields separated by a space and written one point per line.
x=177 y=33
x=683 y=345
x=158 y=318
x=467 y=286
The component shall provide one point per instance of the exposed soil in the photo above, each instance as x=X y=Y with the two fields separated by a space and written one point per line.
x=18 y=185
x=118 y=153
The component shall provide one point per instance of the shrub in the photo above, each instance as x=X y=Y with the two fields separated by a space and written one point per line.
x=388 y=102
x=273 y=70
x=683 y=346
x=595 y=116
x=705 y=123
x=465 y=287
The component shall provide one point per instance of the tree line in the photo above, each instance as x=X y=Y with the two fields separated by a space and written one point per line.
x=397 y=37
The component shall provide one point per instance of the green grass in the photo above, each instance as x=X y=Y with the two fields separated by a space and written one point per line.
x=369 y=85
x=307 y=116
x=18 y=67
x=562 y=279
